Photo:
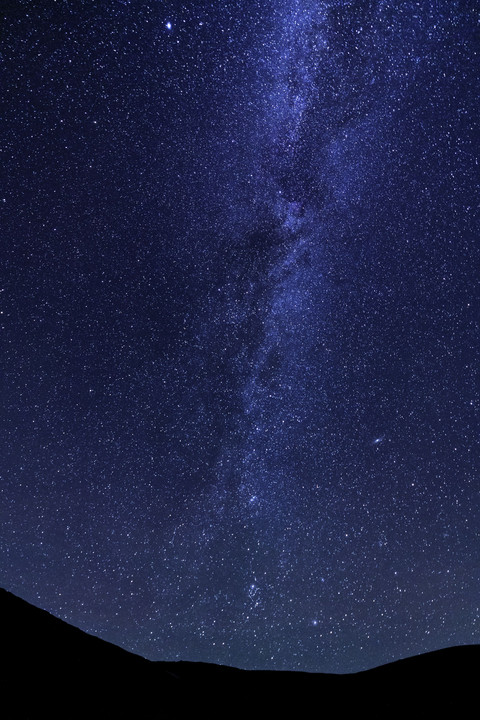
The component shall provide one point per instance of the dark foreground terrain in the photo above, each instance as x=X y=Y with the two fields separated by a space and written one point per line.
x=51 y=669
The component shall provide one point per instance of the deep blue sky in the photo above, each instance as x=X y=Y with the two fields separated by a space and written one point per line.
x=240 y=307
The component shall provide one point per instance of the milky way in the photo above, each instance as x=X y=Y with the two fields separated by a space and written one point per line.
x=240 y=326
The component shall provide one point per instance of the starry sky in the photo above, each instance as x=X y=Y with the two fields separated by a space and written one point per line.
x=239 y=325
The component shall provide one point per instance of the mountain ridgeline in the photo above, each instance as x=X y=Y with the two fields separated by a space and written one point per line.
x=52 y=669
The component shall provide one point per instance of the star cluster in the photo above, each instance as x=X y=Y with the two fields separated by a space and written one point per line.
x=239 y=316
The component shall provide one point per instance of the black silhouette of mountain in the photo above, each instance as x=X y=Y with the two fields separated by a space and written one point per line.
x=54 y=670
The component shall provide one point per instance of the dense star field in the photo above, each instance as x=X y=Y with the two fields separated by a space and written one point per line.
x=240 y=307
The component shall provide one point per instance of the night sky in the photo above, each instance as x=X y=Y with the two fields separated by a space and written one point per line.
x=240 y=325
